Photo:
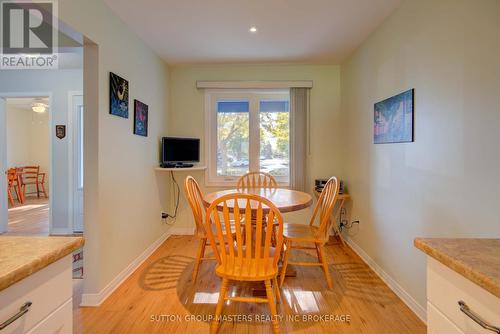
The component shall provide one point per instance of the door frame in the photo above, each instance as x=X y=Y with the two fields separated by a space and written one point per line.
x=71 y=171
x=7 y=95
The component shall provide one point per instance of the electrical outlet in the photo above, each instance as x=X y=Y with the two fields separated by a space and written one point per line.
x=345 y=224
x=164 y=215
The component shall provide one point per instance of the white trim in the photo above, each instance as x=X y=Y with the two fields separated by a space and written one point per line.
x=254 y=84
x=7 y=95
x=4 y=206
x=96 y=299
x=71 y=175
x=418 y=309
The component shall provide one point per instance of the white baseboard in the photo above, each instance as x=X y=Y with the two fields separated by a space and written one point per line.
x=420 y=311
x=96 y=299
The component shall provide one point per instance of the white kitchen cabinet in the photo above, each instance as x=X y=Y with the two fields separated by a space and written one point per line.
x=445 y=289
x=49 y=291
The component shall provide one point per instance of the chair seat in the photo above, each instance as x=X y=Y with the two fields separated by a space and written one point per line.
x=245 y=269
x=301 y=232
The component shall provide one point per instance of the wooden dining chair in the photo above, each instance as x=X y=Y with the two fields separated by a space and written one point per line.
x=13 y=184
x=31 y=176
x=257 y=180
x=195 y=199
x=251 y=258
x=312 y=234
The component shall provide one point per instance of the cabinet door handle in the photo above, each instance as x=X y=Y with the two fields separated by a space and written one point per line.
x=465 y=309
x=22 y=311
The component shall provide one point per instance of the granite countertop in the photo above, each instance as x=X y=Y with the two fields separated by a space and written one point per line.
x=21 y=257
x=476 y=259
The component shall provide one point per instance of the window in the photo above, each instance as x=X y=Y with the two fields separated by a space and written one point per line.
x=247 y=131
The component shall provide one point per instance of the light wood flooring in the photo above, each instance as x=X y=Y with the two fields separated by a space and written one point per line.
x=161 y=298
x=30 y=218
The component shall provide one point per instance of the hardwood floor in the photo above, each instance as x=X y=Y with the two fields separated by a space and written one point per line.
x=30 y=218
x=160 y=298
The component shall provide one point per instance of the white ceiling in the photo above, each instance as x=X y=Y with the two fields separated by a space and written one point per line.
x=289 y=31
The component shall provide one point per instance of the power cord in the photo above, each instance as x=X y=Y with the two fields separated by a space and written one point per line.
x=174 y=216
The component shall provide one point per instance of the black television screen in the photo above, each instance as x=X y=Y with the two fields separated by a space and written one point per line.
x=180 y=150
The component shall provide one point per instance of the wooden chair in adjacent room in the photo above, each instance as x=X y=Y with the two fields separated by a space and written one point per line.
x=195 y=199
x=31 y=176
x=252 y=259
x=13 y=184
x=316 y=236
x=257 y=180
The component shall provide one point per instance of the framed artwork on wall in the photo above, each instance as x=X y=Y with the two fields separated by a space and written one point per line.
x=140 y=118
x=393 y=119
x=118 y=96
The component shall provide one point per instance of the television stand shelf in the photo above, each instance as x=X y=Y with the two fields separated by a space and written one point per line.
x=160 y=169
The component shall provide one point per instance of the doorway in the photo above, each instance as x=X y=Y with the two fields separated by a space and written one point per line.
x=26 y=152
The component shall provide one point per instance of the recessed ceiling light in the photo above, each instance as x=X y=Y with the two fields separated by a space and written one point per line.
x=253 y=29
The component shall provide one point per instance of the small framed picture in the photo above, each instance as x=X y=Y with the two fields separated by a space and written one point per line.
x=393 y=119
x=140 y=118
x=60 y=131
x=118 y=96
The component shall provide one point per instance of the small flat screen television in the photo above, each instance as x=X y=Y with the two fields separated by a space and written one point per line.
x=180 y=151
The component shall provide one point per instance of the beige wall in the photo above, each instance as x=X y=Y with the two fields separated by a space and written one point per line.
x=28 y=140
x=127 y=196
x=187 y=117
x=18 y=136
x=446 y=183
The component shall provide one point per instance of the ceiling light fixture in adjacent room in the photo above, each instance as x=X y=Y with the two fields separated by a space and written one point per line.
x=39 y=107
x=253 y=29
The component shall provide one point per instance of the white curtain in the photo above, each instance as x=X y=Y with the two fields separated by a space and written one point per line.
x=299 y=110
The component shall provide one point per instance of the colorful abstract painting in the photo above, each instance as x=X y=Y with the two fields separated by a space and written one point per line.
x=393 y=122
x=118 y=95
x=140 y=118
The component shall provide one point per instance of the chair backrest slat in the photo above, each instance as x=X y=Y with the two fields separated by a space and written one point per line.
x=252 y=249
x=325 y=205
x=227 y=224
x=195 y=199
x=238 y=229
x=257 y=180
x=248 y=230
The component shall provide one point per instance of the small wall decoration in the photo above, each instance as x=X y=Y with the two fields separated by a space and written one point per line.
x=393 y=121
x=118 y=95
x=60 y=131
x=140 y=118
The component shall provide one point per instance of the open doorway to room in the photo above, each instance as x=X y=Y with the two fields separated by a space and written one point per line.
x=41 y=150
x=28 y=171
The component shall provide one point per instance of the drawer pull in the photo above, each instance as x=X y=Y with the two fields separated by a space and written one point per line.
x=22 y=311
x=465 y=309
